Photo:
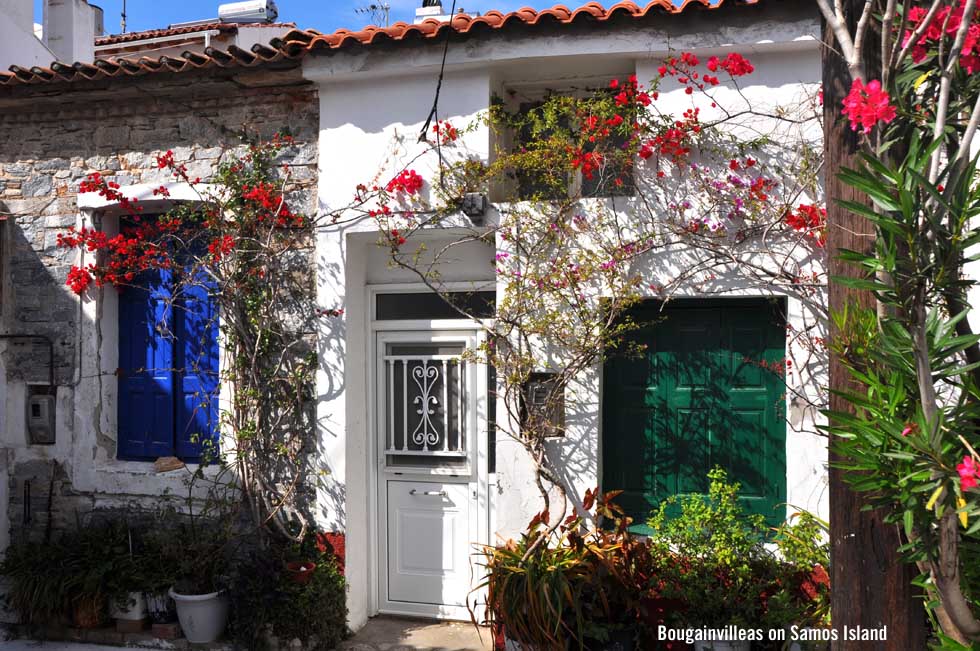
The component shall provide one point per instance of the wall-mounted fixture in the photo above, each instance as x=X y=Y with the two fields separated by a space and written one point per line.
x=543 y=404
x=475 y=207
x=40 y=419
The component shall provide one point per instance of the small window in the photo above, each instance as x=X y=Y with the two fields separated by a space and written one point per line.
x=430 y=305
x=541 y=119
x=168 y=370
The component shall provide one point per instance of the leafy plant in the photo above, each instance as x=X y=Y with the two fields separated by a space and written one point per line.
x=723 y=571
x=266 y=601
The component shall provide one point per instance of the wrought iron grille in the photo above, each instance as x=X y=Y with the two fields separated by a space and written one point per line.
x=425 y=404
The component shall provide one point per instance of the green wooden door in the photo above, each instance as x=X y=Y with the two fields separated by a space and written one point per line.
x=699 y=396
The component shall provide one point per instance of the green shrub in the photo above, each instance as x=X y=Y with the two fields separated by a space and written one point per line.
x=266 y=600
x=726 y=572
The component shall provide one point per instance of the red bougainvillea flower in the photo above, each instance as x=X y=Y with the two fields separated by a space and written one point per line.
x=969 y=473
x=866 y=106
x=810 y=219
x=408 y=182
x=78 y=280
x=221 y=246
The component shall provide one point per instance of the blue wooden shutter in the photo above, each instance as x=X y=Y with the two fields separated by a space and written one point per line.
x=197 y=364
x=146 y=361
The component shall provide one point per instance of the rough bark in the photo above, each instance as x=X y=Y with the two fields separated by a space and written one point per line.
x=871 y=586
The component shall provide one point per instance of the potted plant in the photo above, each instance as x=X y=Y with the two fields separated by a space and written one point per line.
x=158 y=555
x=202 y=605
x=97 y=570
x=270 y=605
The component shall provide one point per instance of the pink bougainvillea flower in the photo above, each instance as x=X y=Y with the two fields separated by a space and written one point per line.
x=866 y=106
x=969 y=473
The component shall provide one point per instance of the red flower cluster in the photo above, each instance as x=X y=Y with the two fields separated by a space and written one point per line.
x=811 y=585
x=78 y=279
x=630 y=92
x=267 y=196
x=673 y=143
x=109 y=190
x=734 y=64
x=221 y=246
x=588 y=161
x=946 y=22
x=166 y=161
x=865 y=106
x=810 y=219
x=408 y=182
x=445 y=132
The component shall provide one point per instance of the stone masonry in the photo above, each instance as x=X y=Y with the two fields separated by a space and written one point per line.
x=51 y=137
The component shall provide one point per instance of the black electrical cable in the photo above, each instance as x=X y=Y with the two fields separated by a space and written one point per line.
x=434 y=113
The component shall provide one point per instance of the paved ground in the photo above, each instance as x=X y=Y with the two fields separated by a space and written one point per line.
x=397 y=634
x=381 y=634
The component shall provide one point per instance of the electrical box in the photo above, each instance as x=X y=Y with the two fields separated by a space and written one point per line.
x=40 y=419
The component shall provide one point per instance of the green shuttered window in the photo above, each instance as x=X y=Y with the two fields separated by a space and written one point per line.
x=702 y=394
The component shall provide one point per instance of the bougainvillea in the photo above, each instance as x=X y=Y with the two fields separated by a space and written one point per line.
x=590 y=185
x=238 y=243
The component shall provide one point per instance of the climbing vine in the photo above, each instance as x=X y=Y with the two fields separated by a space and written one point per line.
x=240 y=245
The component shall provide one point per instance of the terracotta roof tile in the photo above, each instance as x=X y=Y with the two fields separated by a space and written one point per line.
x=114 y=39
x=298 y=43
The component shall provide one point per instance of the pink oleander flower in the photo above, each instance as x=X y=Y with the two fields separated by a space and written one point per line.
x=969 y=473
x=866 y=106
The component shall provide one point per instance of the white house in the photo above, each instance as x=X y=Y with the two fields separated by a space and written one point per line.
x=411 y=516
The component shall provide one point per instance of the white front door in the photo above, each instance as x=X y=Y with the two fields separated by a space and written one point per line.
x=432 y=470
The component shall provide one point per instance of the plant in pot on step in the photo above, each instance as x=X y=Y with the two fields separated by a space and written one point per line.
x=199 y=591
x=126 y=602
x=535 y=588
x=94 y=571
x=159 y=555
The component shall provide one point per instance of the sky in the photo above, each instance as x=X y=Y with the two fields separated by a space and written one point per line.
x=322 y=15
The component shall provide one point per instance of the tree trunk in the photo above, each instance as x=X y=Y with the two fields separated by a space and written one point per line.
x=870 y=586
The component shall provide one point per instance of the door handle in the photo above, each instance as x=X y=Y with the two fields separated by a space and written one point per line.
x=429 y=493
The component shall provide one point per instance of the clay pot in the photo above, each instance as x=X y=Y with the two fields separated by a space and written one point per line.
x=300 y=572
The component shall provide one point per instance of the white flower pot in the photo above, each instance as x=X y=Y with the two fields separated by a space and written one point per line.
x=738 y=645
x=134 y=609
x=202 y=616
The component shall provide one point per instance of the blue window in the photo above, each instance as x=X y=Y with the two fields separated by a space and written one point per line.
x=168 y=369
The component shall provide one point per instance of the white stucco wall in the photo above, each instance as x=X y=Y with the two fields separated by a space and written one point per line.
x=18 y=45
x=372 y=106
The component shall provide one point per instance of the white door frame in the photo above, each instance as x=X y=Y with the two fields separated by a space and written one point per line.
x=382 y=332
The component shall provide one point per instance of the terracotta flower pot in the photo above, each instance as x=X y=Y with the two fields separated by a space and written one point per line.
x=89 y=612
x=300 y=572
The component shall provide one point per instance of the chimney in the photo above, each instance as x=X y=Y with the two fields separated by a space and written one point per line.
x=70 y=28
x=430 y=9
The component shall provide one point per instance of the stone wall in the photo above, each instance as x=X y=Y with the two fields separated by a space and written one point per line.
x=52 y=137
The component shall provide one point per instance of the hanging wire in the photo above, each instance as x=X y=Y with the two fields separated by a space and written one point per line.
x=434 y=113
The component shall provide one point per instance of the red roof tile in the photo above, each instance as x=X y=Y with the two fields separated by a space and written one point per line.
x=128 y=37
x=298 y=43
